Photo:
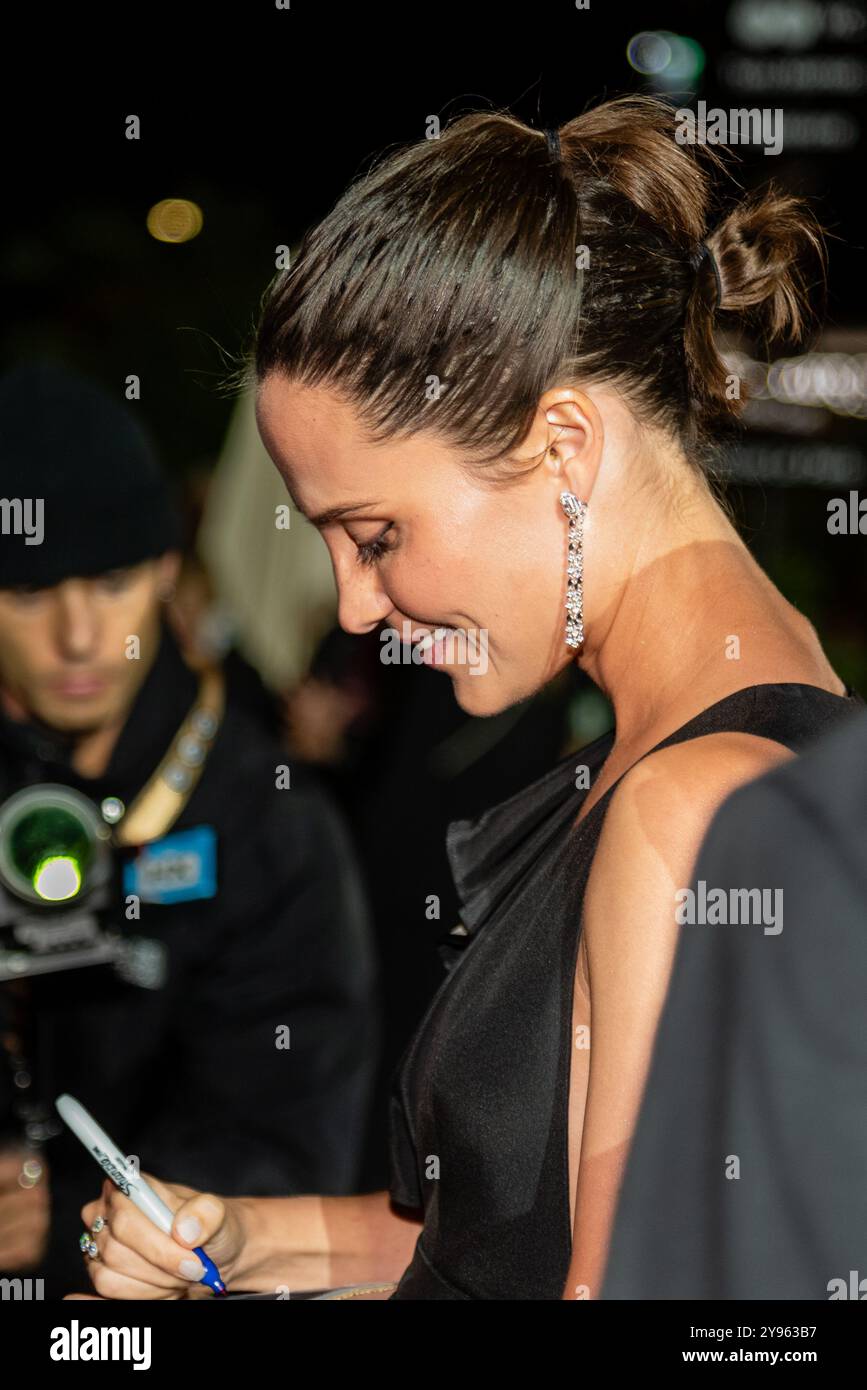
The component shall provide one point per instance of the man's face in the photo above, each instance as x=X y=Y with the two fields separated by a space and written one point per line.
x=68 y=655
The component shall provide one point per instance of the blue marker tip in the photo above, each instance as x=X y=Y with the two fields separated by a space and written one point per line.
x=211 y=1276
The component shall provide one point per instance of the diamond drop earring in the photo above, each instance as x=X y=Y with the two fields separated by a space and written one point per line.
x=576 y=510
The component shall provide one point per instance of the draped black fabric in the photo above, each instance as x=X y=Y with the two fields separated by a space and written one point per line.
x=479 y=1102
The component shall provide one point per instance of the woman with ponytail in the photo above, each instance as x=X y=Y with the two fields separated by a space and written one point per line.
x=492 y=378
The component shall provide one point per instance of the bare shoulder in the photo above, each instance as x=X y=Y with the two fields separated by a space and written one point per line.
x=686 y=777
x=657 y=819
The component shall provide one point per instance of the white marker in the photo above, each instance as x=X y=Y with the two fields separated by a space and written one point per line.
x=132 y=1184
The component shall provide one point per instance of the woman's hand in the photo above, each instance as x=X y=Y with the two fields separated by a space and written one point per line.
x=137 y=1260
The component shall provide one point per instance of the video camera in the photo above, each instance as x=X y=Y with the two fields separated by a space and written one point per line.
x=55 y=873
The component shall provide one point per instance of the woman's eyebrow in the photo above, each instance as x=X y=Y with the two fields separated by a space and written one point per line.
x=332 y=514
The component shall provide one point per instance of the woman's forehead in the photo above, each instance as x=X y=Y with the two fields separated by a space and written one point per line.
x=289 y=409
x=318 y=443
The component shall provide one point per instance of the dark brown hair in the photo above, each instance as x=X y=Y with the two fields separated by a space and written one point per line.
x=455 y=259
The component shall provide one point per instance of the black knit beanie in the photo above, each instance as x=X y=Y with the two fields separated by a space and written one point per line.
x=81 y=490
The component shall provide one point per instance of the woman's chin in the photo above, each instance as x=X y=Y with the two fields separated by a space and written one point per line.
x=480 y=695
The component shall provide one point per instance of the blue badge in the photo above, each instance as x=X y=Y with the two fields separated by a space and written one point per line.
x=174 y=870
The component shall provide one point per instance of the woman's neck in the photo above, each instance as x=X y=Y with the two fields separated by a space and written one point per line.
x=696 y=619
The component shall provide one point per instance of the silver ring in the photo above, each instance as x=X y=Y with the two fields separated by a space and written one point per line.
x=88 y=1246
x=86 y=1243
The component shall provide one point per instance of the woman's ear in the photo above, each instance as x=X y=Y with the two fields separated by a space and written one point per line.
x=575 y=437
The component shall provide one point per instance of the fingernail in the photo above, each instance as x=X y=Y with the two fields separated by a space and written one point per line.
x=190 y=1229
x=191 y=1269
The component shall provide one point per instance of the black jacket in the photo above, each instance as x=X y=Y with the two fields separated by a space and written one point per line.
x=745 y=1178
x=188 y=1076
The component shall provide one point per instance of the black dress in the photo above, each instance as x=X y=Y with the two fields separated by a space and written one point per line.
x=479 y=1101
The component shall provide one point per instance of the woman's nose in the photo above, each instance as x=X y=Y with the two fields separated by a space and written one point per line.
x=362 y=603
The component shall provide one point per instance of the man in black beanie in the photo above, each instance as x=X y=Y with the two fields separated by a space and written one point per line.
x=96 y=512
x=212 y=999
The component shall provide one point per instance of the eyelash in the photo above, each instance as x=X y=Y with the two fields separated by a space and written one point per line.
x=371 y=551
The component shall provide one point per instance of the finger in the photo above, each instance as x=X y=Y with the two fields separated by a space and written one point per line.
x=91 y=1210
x=110 y=1284
x=172 y=1193
x=100 y=1205
x=123 y=1260
x=130 y=1228
x=173 y=1196
x=198 y=1219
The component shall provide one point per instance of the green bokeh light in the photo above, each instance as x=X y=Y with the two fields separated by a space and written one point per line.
x=57 y=878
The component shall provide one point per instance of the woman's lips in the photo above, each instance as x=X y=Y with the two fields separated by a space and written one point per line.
x=433 y=646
